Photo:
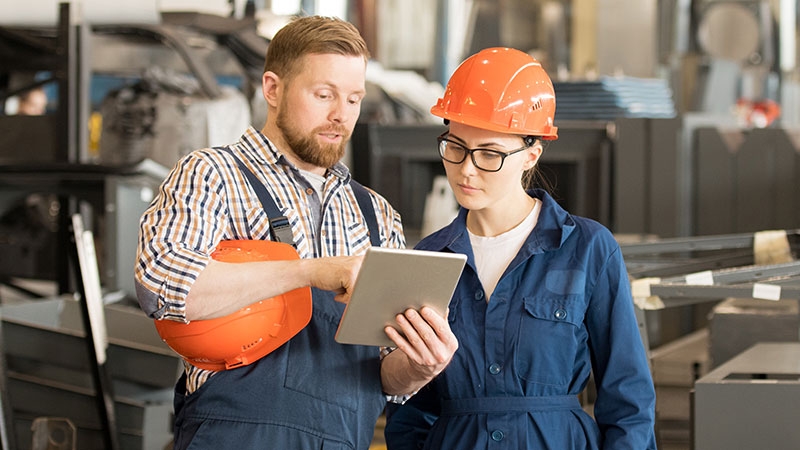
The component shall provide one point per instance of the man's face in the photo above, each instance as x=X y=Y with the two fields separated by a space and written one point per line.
x=320 y=106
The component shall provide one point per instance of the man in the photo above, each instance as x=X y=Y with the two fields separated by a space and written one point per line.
x=33 y=102
x=310 y=392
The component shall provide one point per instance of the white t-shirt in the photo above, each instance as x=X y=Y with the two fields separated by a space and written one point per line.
x=494 y=254
x=317 y=181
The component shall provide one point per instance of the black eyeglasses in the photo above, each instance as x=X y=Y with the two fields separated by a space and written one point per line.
x=483 y=158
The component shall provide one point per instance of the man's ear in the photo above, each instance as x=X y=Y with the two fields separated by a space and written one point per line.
x=271 y=88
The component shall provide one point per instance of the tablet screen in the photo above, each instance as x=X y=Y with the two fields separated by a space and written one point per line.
x=391 y=281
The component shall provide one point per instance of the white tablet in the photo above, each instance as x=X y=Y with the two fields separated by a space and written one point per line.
x=391 y=281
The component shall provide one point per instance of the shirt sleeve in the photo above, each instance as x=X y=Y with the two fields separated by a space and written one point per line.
x=625 y=405
x=177 y=234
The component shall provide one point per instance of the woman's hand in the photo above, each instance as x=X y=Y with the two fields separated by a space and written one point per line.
x=425 y=346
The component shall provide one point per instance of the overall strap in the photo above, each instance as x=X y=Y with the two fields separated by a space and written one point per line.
x=279 y=224
x=365 y=203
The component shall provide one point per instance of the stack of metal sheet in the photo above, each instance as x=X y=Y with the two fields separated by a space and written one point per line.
x=609 y=98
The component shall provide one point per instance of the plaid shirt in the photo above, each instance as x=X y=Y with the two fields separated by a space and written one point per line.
x=206 y=199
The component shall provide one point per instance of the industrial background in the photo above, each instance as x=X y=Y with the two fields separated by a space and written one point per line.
x=679 y=129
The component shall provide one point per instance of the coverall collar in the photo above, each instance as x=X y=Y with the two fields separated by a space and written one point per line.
x=553 y=228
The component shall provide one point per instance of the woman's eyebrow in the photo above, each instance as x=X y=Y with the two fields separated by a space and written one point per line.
x=483 y=145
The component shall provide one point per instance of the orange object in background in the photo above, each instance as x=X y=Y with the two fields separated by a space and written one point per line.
x=758 y=114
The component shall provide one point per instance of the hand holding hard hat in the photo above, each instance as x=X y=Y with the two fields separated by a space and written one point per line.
x=249 y=334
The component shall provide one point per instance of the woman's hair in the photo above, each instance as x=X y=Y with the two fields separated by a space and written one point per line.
x=312 y=35
x=533 y=177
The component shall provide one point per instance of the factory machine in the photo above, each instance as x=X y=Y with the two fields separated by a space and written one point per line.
x=125 y=101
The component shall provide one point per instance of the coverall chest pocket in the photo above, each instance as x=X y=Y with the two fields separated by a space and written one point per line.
x=548 y=340
x=322 y=368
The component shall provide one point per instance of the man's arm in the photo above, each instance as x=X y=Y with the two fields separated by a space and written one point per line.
x=223 y=288
x=424 y=349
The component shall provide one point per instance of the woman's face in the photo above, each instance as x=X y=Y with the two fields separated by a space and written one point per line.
x=476 y=189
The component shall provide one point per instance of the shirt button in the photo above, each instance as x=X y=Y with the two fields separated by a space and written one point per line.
x=309 y=191
x=479 y=294
x=560 y=314
x=497 y=435
x=494 y=369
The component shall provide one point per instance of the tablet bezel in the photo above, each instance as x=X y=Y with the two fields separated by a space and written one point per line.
x=389 y=282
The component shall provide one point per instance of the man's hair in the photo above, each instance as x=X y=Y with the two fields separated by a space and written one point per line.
x=312 y=35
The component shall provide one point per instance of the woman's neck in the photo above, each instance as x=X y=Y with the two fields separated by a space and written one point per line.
x=499 y=219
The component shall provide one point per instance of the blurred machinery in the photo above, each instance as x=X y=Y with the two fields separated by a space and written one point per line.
x=750 y=401
x=148 y=94
x=48 y=374
x=101 y=82
x=743 y=290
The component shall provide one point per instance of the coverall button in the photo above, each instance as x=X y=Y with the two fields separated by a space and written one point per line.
x=560 y=314
x=497 y=435
x=494 y=369
x=479 y=294
x=309 y=191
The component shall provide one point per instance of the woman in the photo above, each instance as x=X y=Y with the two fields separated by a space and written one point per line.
x=544 y=300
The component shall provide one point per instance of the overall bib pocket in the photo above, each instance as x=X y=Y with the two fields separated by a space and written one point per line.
x=350 y=371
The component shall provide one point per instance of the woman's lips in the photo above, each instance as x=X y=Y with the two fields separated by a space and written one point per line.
x=466 y=188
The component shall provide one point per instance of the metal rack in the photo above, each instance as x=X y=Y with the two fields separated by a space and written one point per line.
x=688 y=275
x=773 y=282
x=683 y=271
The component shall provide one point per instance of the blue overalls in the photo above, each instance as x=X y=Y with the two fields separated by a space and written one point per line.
x=562 y=311
x=310 y=393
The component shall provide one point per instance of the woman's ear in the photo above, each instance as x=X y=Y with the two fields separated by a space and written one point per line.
x=271 y=88
x=533 y=154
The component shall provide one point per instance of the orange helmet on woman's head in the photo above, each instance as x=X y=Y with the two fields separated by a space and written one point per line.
x=501 y=89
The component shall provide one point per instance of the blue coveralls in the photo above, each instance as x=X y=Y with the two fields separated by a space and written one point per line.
x=311 y=393
x=561 y=310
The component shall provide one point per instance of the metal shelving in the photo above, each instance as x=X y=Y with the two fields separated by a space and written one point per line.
x=683 y=271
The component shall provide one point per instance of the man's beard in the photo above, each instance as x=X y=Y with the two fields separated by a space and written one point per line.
x=307 y=148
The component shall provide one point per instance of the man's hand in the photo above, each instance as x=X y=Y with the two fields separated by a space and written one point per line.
x=337 y=274
x=425 y=346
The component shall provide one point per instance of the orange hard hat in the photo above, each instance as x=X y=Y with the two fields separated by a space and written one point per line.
x=501 y=89
x=247 y=335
